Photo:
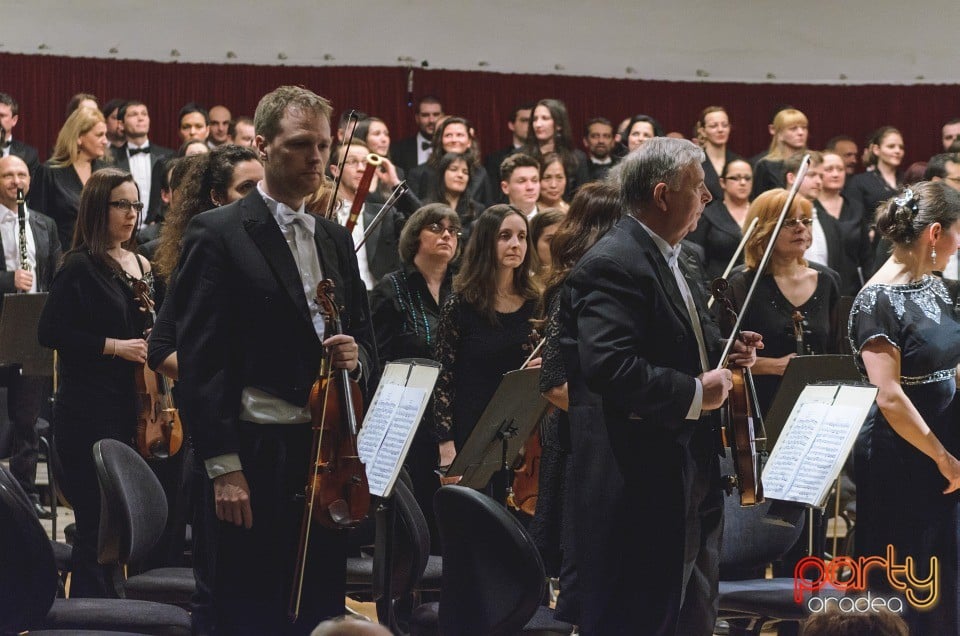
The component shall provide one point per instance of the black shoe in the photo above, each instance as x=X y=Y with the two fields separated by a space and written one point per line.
x=42 y=512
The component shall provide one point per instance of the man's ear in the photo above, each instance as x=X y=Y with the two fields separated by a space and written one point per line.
x=660 y=195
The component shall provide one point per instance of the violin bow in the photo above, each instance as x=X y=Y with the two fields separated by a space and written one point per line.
x=355 y=118
x=398 y=192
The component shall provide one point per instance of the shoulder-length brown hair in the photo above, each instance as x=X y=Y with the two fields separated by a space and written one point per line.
x=477 y=280
x=92 y=231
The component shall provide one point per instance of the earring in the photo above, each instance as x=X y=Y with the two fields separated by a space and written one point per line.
x=933 y=253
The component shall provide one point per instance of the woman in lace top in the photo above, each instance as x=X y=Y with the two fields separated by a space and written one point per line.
x=485 y=325
x=93 y=320
x=905 y=333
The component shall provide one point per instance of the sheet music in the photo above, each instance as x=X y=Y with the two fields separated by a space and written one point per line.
x=815 y=442
x=391 y=421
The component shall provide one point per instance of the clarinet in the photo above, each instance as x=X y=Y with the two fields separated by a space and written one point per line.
x=22 y=217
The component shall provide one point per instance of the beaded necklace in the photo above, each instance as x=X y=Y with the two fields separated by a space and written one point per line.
x=407 y=306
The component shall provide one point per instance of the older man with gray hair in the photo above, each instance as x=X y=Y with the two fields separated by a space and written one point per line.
x=640 y=350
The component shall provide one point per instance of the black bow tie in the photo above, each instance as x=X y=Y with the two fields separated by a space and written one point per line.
x=136 y=151
x=425 y=145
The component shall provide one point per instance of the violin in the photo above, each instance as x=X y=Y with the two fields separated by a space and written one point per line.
x=337 y=492
x=741 y=409
x=526 y=477
x=741 y=413
x=159 y=429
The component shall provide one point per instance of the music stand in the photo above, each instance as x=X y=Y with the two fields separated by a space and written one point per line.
x=502 y=430
x=18 y=335
x=802 y=371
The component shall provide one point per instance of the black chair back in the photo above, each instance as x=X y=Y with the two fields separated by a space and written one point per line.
x=133 y=506
x=28 y=574
x=410 y=542
x=493 y=577
x=751 y=539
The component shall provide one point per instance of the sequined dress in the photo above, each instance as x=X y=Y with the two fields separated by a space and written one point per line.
x=899 y=489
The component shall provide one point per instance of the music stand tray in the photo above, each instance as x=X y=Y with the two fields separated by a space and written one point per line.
x=502 y=430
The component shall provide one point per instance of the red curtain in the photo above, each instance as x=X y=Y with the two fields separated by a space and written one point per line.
x=44 y=84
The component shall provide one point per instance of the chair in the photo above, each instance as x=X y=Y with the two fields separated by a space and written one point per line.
x=133 y=514
x=747 y=600
x=493 y=577
x=414 y=568
x=28 y=583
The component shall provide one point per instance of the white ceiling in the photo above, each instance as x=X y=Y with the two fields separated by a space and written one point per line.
x=854 y=42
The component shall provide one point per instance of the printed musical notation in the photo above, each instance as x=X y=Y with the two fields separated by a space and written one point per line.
x=815 y=442
x=391 y=421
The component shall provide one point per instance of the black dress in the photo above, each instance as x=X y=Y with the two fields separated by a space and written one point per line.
x=475 y=354
x=767 y=175
x=56 y=191
x=869 y=189
x=719 y=235
x=899 y=489
x=771 y=315
x=551 y=526
x=405 y=321
x=710 y=177
x=96 y=397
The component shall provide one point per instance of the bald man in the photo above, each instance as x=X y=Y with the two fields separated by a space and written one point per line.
x=25 y=394
x=219 y=126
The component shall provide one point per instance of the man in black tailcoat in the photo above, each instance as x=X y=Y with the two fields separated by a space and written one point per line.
x=639 y=348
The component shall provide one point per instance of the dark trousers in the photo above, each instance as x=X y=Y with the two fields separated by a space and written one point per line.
x=253 y=568
x=25 y=396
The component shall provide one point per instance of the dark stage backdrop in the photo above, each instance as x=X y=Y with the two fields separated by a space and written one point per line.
x=43 y=84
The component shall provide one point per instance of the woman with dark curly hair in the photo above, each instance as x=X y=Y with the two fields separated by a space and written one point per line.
x=905 y=334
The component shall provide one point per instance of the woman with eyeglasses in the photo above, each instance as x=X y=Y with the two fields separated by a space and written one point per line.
x=485 y=327
x=789 y=284
x=79 y=152
x=93 y=320
x=405 y=307
x=713 y=133
x=720 y=228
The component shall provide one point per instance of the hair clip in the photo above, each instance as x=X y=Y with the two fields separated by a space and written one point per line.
x=907 y=205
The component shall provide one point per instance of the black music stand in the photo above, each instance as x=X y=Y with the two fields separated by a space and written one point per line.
x=802 y=371
x=21 y=352
x=18 y=335
x=502 y=430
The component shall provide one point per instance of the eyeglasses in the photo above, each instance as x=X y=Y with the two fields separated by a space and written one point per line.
x=125 y=206
x=439 y=229
x=739 y=177
x=792 y=223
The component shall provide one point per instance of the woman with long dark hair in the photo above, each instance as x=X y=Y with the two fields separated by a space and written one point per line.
x=484 y=328
x=550 y=131
x=93 y=320
x=453 y=134
x=452 y=187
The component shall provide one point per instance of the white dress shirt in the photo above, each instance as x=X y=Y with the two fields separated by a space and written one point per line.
x=10 y=234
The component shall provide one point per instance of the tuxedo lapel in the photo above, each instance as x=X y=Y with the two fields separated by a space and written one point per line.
x=266 y=235
x=327 y=251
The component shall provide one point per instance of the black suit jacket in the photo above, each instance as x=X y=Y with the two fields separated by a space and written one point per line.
x=27 y=153
x=47 y=243
x=243 y=319
x=403 y=153
x=631 y=358
x=837 y=260
x=157 y=153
